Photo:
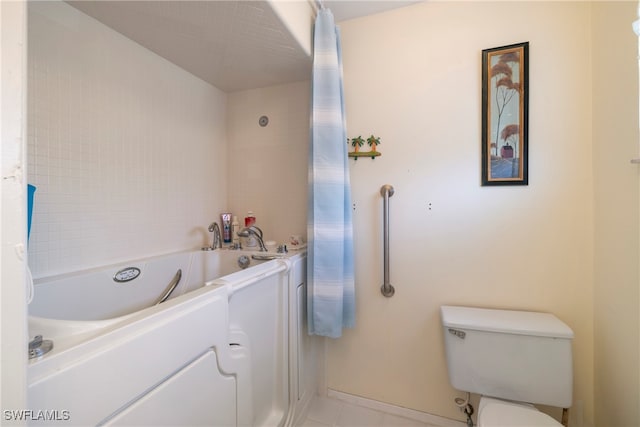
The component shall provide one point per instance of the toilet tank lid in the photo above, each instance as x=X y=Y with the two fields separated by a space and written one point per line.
x=505 y=321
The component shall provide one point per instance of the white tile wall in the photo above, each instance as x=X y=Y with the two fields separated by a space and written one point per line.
x=268 y=165
x=128 y=151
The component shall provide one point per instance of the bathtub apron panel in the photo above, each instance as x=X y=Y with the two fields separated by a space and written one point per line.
x=102 y=376
x=197 y=395
x=260 y=312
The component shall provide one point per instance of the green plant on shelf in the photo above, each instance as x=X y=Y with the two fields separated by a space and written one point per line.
x=373 y=142
x=357 y=142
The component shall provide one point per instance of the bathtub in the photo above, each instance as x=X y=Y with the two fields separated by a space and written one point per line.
x=73 y=307
x=218 y=351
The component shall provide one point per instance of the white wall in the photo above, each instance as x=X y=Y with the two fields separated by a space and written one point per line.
x=617 y=243
x=412 y=77
x=268 y=165
x=127 y=150
x=13 y=233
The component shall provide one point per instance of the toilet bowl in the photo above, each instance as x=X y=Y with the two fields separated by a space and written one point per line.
x=502 y=413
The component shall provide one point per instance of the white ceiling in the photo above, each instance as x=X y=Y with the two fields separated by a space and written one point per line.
x=234 y=45
x=350 y=9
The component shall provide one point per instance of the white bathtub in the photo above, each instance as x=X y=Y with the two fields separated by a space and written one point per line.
x=217 y=352
x=73 y=307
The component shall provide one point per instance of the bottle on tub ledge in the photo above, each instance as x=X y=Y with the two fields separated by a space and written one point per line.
x=249 y=242
x=225 y=221
x=235 y=228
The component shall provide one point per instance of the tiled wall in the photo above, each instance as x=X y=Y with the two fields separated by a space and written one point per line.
x=128 y=151
x=268 y=165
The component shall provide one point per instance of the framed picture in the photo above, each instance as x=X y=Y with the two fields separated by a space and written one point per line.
x=505 y=99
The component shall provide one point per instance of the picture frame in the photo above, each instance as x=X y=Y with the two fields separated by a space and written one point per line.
x=505 y=115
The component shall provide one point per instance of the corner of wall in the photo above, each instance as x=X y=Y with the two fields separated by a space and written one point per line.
x=297 y=16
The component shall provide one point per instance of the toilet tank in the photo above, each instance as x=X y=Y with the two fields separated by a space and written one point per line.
x=517 y=355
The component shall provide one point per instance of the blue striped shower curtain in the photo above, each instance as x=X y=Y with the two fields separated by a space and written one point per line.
x=331 y=290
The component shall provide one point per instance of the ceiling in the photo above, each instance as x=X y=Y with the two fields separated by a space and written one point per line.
x=350 y=9
x=234 y=45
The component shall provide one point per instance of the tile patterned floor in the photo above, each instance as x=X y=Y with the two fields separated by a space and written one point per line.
x=325 y=412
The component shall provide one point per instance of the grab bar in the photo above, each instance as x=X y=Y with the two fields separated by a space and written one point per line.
x=386 y=191
x=170 y=287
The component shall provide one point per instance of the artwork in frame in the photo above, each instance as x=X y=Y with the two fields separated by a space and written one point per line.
x=505 y=99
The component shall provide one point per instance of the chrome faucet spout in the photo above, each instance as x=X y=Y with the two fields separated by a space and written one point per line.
x=255 y=231
x=216 y=238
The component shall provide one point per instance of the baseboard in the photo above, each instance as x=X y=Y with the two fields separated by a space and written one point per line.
x=412 y=414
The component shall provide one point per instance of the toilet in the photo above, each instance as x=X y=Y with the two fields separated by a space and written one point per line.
x=513 y=359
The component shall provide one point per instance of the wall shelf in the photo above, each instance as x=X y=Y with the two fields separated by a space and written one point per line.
x=372 y=154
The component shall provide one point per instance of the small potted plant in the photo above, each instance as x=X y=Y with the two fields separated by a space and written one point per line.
x=373 y=142
x=357 y=143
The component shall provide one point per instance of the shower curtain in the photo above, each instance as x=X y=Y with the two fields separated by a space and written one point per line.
x=330 y=284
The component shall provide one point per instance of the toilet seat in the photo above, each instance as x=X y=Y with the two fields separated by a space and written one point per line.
x=501 y=413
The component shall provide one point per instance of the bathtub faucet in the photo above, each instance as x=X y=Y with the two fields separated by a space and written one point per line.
x=216 y=237
x=253 y=230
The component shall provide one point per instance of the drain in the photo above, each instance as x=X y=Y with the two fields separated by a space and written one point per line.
x=243 y=261
x=39 y=347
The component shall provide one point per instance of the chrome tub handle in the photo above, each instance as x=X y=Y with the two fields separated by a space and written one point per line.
x=170 y=287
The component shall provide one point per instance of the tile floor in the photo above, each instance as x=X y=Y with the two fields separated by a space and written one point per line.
x=326 y=411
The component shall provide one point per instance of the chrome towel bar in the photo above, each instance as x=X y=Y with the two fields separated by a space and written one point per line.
x=386 y=191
